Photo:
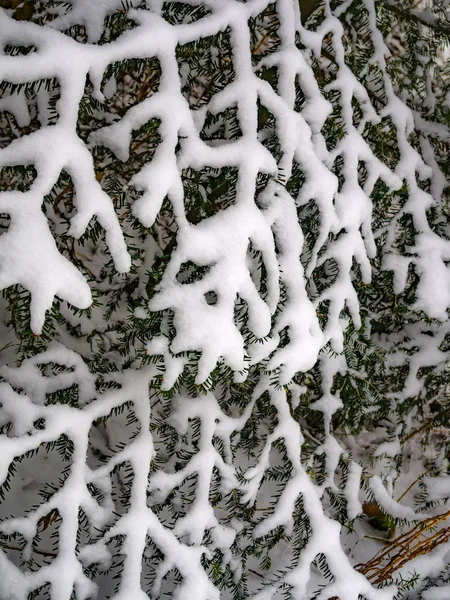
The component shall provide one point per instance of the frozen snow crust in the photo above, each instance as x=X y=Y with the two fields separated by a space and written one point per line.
x=124 y=519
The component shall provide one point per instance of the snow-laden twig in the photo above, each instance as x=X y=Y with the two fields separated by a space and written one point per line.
x=285 y=336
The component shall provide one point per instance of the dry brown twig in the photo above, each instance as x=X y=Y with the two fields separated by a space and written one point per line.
x=416 y=542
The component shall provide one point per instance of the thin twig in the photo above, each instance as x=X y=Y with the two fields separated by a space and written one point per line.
x=413 y=484
x=35 y=550
x=405 y=548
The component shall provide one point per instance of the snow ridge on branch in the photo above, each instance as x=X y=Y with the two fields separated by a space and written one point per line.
x=267 y=221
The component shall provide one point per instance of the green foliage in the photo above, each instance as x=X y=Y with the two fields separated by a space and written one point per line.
x=112 y=335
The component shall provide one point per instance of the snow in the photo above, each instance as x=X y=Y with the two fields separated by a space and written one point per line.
x=92 y=16
x=265 y=220
x=354 y=506
x=429 y=252
x=66 y=571
x=388 y=449
x=440 y=593
x=438 y=488
x=389 y=505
